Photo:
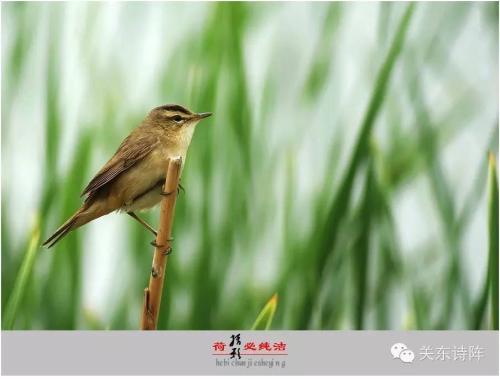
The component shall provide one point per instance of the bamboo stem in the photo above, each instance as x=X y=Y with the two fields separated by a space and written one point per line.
x=152 y=294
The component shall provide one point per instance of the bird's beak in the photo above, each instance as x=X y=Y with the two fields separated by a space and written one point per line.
x=199 y=116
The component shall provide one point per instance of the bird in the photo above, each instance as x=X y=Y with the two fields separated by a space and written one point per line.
x=132 y=180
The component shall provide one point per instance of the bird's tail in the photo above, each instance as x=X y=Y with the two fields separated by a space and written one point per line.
x=64 y=229
x=81 y=217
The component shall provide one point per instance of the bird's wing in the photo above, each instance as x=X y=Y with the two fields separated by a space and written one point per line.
x=132 y=150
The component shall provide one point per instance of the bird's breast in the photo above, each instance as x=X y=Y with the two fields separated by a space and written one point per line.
x=144 y=176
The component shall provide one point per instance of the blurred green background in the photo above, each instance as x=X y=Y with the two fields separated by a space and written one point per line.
x=345 y=168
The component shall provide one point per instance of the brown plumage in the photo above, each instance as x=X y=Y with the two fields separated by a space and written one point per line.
x=133 y=178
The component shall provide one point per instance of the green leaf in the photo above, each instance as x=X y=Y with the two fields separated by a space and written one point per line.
x=22 y=279
x=493 y=238
x=342 y=199
x=362 y=248
x=480 y=305
x=266 y=315
x=326 y=234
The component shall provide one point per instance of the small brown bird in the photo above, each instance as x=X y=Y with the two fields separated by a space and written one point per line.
x=133 y=178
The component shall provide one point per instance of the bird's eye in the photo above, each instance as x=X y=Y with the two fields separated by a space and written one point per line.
x=177 y=118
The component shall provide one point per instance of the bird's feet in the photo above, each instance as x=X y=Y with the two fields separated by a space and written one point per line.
x=179 y=189
x=167 y=251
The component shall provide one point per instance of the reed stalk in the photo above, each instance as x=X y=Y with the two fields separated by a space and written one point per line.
x=152 y=294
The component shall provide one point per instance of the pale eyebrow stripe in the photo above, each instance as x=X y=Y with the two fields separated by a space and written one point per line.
x=174 y=108
x=172 y=114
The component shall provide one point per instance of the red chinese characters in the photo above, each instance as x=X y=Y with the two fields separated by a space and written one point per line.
x=265 y=346
x=250 y=346
x=255 y=347
x=279 y=346
x=219 y=346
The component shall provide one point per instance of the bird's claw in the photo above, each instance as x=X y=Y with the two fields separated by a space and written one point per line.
x=180 y=188
x=168 y=251
x=153 y=243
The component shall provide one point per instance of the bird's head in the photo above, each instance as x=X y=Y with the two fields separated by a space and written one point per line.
x=176 y=121
x=175 y=117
